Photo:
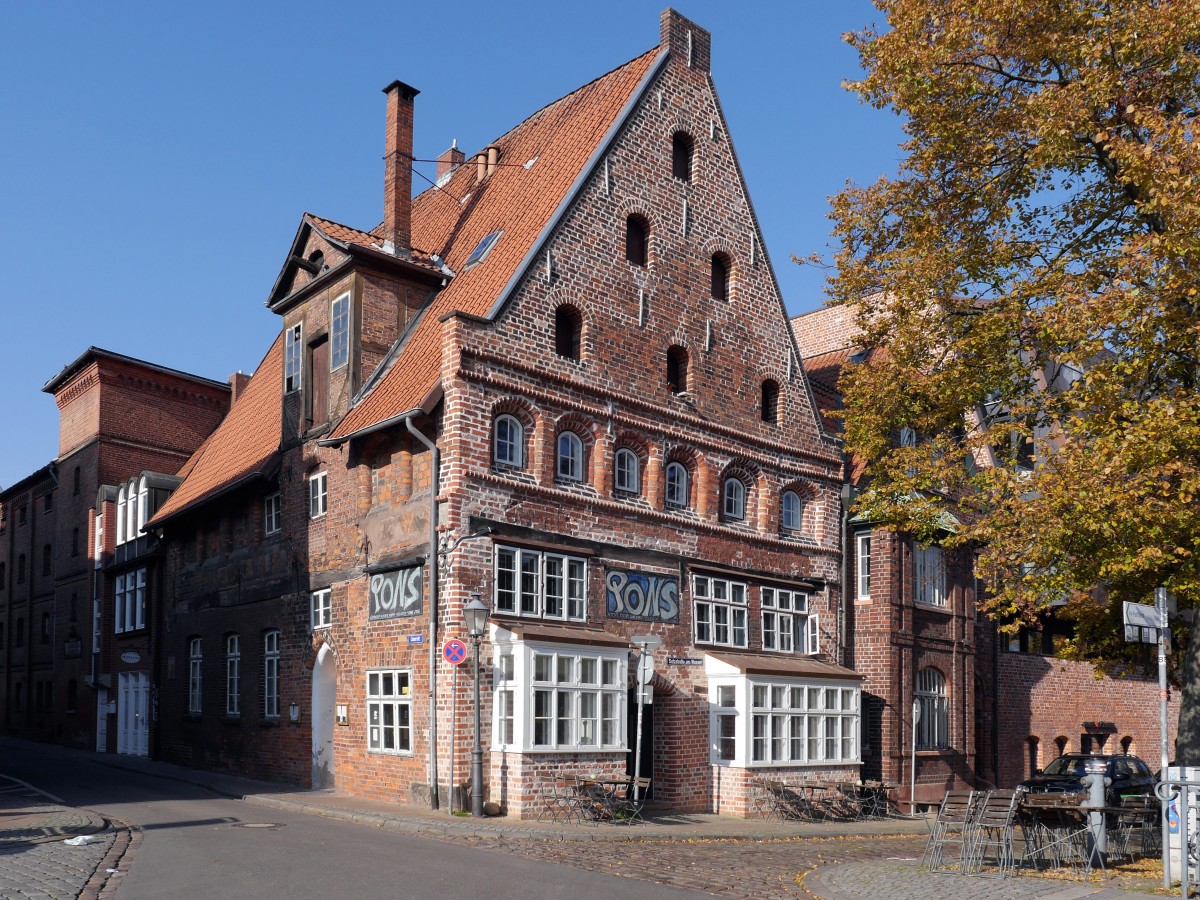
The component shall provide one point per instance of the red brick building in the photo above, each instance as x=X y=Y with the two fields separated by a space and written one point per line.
x=62 y=639
x=995 y=706
x=562 y=380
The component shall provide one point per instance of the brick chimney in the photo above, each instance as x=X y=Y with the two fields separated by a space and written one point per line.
x=397 y=178
x=237 y=384
x=449 y=161
x=687 y=41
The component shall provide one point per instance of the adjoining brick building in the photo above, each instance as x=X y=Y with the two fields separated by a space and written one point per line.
x=66 y=655
x=562 y=380
x=995 y=706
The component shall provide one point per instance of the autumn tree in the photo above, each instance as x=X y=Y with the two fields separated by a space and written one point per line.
x=1031 y=279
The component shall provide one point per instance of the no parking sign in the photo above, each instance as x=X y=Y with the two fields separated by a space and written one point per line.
x=454 y=652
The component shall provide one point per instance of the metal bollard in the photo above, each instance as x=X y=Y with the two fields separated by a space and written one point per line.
x=1096 y=782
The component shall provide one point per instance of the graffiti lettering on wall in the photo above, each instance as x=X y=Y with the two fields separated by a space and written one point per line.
x=395 y=594
x=647 y=598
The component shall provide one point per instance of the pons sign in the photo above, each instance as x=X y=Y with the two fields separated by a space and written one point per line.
x=395 y=594
x=641 y=597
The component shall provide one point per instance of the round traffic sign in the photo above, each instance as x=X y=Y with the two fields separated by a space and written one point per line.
x=454 y=651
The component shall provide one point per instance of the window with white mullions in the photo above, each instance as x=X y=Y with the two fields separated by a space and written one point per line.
x=271 y=674
x=627 y=472
x=929 y=576
x=130 y=593
x=339 y=318
x=538 y=584
x=863 y=559
x=933 y=717
x=389 y=711
x=508 y=448
x=787 y=626
x=233 y=675
x=570 y=457
x=576 y=700
x=320 y=609
x=720 y=611
x=293 y=357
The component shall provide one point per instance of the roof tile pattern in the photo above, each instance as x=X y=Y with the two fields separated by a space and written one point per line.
x=516 y=199
x=244 y=444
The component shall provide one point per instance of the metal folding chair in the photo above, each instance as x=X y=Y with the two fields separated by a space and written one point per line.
x=950 y=829
x=989 y=836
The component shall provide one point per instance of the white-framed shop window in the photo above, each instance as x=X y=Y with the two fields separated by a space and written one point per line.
x=764 y=721
x=389 y=711
x=560 y=698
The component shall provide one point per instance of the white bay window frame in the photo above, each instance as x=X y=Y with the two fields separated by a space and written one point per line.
x=555 y=698
x=761 y=721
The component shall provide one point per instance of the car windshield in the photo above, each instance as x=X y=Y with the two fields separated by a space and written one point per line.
x=1066 y=765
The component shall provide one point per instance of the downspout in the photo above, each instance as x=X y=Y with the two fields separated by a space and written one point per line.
x=844 y=605
x=434 y=481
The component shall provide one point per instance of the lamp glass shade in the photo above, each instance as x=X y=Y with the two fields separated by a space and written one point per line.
x=475 y=612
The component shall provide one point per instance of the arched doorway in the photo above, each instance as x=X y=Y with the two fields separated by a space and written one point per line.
x=324 y=693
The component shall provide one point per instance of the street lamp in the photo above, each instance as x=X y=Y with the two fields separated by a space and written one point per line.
x=475 y=612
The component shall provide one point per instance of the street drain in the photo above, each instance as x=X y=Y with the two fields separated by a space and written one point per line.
x=257 y=825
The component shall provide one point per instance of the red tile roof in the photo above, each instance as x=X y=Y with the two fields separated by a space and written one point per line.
x=245 y=444
x=518 y=198
x=515 y=199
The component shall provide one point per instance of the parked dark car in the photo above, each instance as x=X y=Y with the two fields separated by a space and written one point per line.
x=1131 y=777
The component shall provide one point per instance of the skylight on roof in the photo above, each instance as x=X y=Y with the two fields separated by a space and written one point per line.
x=479 y=254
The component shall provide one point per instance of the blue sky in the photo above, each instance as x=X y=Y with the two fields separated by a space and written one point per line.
x=158 y=157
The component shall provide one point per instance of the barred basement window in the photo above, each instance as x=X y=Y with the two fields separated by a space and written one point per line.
x=389 y=711
x=932 y=723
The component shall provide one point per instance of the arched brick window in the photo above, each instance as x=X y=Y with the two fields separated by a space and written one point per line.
x=678 y=489
x=637 y=240
x=769 y=407
x=720 y=276
x=682 y=147
x=733 y=499
x=508 y=444
x=791 y=511
x=568 y=328
x=627 y=472
x=570 y=457
x=677 y=369
x=933 y=720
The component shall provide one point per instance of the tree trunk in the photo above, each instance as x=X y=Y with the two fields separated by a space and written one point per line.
x=1187 y=741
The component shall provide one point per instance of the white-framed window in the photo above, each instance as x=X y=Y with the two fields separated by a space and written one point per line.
x=318 y=494
x=933 y=718
x=293 y=357
x=570 y=457
x=233 y=675
x=389 y=711
x=339 y=333
x=862 y=558
x=677 y=485
x=720 y=611
x=98 y=549
x=627 y=472
x=787 y=625
x=733 y=505
x=143 y=505
x=929 y=576
x=271 y=674
x=320 y=609
x=508 y=446
x=791 y=511
x=540 y=584
x=130 y=593
x=559 y=698
x=195 y=675
x=795 y=723
x=273 y=513
x=121 y=511
x=762 y=720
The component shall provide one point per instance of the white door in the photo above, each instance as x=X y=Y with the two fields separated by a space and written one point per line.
x=324 y=696
x=102 y=720
x=133 y=721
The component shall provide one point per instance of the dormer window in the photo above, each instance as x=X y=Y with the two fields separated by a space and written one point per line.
x=293 y=357
x=339 y=327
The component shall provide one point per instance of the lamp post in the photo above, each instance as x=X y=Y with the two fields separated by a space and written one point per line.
x=475 y=612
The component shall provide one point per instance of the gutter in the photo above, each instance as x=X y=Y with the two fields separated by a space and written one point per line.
x=434 y=481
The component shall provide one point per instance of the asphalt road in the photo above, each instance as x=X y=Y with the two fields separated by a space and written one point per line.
x=198 y=845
